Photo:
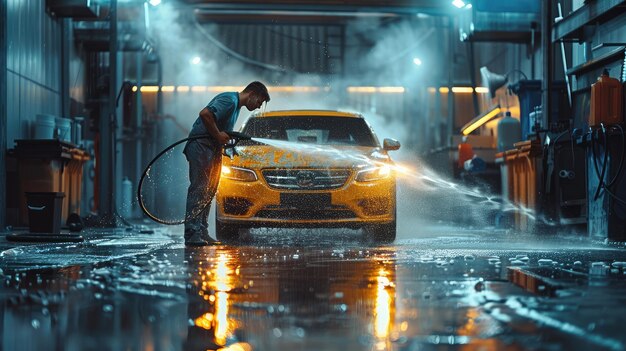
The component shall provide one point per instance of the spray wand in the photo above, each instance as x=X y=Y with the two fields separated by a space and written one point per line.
x=235 y=138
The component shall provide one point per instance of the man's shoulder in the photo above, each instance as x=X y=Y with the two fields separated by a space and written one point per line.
x=228 y=95
x=224 y=98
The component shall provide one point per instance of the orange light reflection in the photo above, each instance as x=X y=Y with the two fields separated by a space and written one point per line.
x=382 y=314
x=220 y=280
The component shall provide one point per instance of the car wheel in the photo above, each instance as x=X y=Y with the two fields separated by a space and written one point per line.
x=384 y=233
x=226 y=232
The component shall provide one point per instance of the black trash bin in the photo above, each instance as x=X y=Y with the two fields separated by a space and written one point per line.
x=44 y=211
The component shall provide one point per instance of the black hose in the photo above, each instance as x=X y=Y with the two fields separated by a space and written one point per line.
x=571 y=139
x=147 y=169
x=599 y=174
x=235 y=137
x=621 y=161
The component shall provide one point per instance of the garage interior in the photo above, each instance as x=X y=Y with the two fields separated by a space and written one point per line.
x=511 y=187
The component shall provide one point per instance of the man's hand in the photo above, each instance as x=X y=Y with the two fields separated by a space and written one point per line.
x=222 y=138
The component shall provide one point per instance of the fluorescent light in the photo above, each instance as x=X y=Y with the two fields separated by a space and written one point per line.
x=224 y=88
x=390 y=89
x=198 y=88
x=370 y=90
x=480 y=120
x=195 y=60
x=444 y=90
x=462 y=90
x=417 y=61
x=147 y=88
x=458 y=3
x=154 y=2
x=361 y=89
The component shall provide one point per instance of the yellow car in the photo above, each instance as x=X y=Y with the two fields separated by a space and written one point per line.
x=308 y=169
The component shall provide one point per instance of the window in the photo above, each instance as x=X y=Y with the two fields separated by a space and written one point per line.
x=320 y=130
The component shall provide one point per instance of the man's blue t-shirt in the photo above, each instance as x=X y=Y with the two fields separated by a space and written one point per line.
x=225 y=107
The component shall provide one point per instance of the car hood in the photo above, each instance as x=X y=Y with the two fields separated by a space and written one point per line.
x=309 y=156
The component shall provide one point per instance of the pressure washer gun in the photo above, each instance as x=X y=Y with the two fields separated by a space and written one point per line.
x=235 y=137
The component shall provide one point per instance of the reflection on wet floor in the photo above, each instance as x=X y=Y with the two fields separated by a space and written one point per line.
x=306 y=294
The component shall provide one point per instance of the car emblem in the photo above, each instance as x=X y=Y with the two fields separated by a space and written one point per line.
x=305 y=179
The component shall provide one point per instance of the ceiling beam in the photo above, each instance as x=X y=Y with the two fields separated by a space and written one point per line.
x=278 y=17
x=345 y=7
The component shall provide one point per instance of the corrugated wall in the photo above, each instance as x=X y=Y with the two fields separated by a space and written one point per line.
x=3 y=112
x=33 y=66
x=299 y=48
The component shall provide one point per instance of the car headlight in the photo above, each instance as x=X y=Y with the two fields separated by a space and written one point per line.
x=373 y=173
x=240 y=174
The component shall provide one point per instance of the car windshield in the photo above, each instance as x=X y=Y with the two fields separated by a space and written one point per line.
x=321 y=130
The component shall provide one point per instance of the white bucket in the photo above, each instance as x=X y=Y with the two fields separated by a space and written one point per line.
x=64 y=128
x=44 y=126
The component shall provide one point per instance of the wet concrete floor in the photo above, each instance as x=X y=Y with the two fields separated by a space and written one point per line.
x=435 y=288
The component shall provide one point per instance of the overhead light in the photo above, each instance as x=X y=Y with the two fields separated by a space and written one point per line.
x=480 y=120
x=154 y=2
x=417 y=61
x=195 y=60
x=468 y=6
x=458 y=3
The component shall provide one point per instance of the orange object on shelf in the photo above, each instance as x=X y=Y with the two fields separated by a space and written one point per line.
x=523 y=168
x=606 y=101
x=466 y=152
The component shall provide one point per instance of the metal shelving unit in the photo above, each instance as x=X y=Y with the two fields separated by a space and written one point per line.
x=572 y=26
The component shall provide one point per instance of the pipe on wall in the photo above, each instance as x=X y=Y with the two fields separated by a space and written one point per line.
x=548 y=64
x=66 y=42
x=107 y=131
x=451 y=47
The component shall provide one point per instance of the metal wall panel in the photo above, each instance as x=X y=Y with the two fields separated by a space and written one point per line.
x=3 y=111
x=13 y=118
x=33 y=66
x=299 y=48
x=11 y=19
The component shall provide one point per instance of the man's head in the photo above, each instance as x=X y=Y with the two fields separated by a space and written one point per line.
x=257 y=94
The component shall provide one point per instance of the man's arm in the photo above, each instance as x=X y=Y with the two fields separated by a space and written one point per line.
x=208 y=119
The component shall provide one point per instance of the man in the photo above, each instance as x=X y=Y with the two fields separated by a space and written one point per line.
x=217 y=117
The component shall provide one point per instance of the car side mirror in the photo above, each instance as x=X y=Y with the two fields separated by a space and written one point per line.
x=391 y=144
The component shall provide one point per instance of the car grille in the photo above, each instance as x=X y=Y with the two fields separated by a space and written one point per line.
x=335 y=212
x=306 y=179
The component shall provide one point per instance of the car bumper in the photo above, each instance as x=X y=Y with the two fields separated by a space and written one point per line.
x=356 y=204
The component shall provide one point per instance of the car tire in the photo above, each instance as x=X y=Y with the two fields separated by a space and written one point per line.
x=226 y=232
x=383 y=233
